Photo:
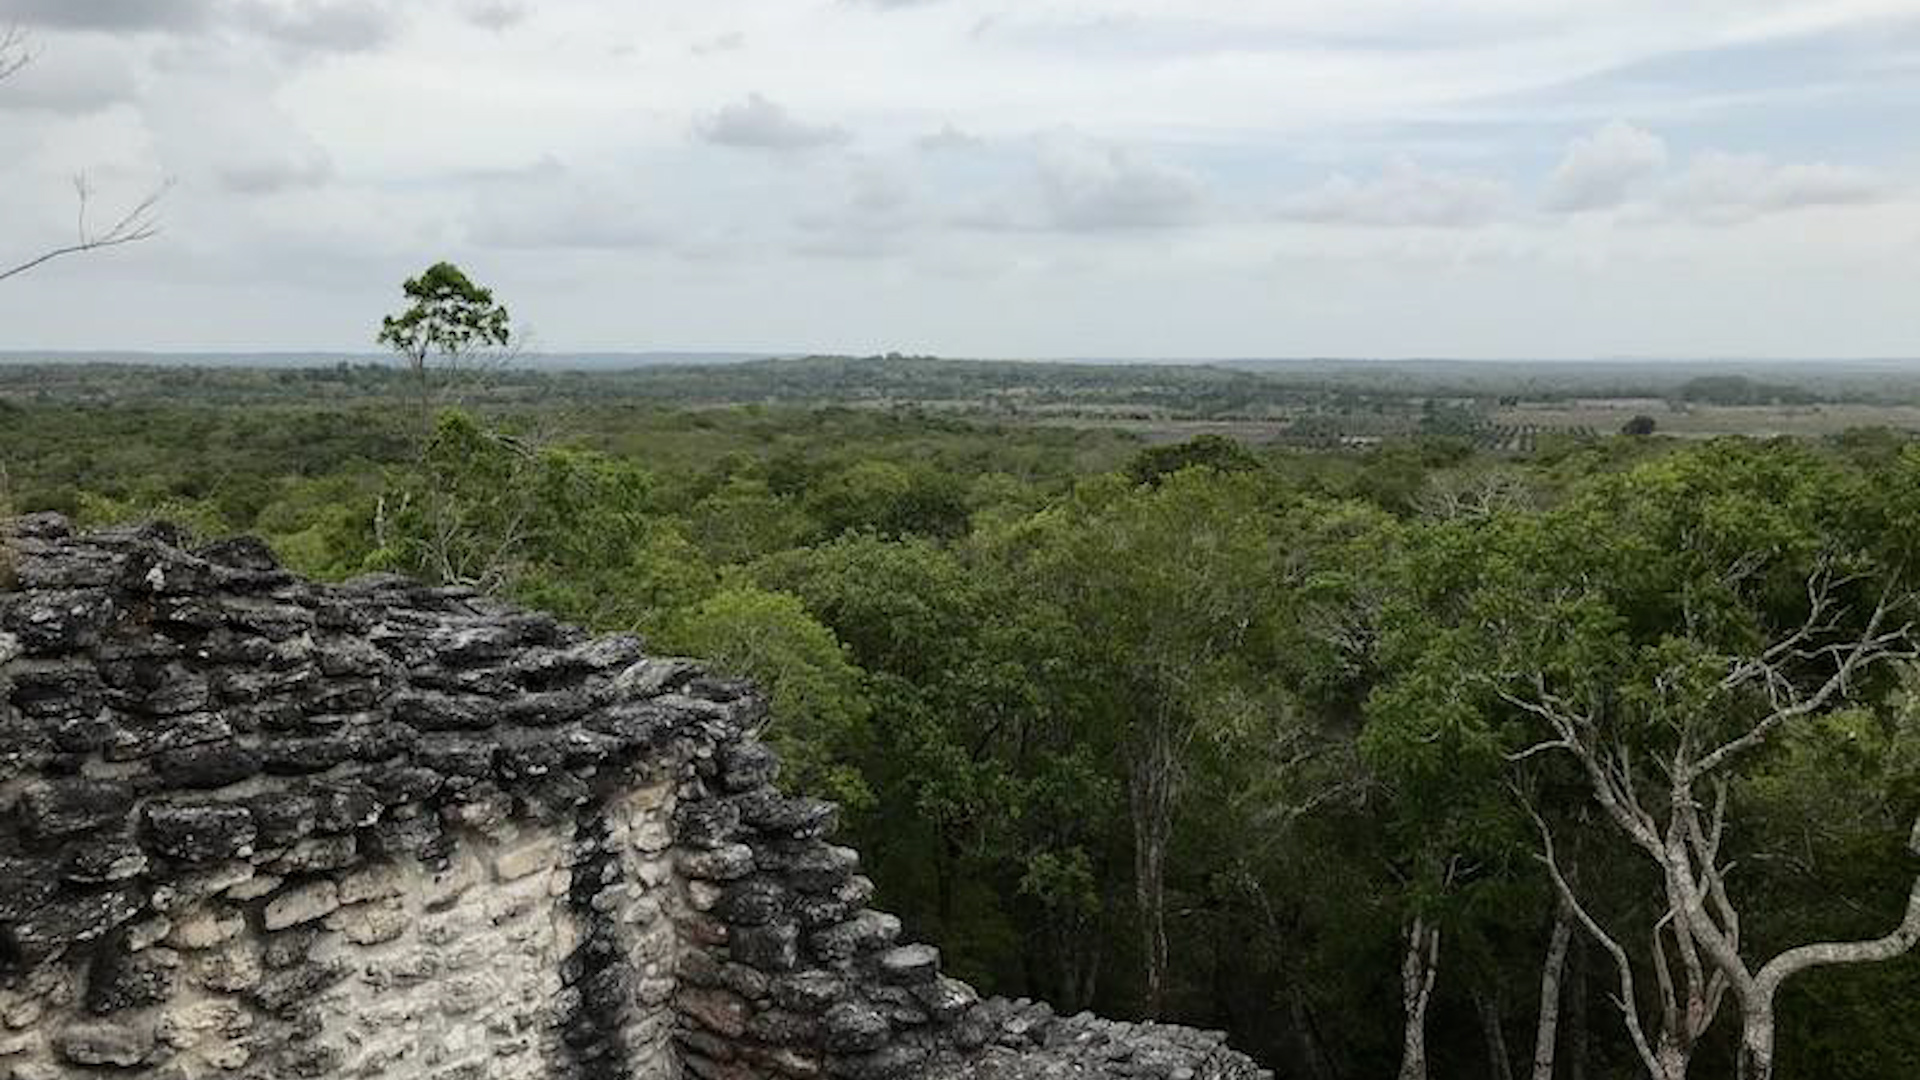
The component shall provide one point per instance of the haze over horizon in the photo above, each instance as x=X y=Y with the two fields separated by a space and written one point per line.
x=1488 y=179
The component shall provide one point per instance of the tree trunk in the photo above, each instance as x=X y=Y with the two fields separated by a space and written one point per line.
x=1577 y=1012
x=1150 y=800
x=1546 y=1035
x=1417 y=973
x=1672 y=1057
x=1149 y=871
x=1493 y=1028
x=1756 y=1042
x=1319 y=1065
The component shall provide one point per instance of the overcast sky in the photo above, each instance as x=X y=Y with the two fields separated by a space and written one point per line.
x=1472 y=178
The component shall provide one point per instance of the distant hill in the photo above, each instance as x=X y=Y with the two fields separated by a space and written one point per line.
x=539 y=361
x=1809 y=379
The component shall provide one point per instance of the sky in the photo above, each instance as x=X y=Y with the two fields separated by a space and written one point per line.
x=997 y=178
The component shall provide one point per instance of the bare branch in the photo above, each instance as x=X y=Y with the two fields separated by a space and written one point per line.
x=1874 y=645
x=14 y=53
x=137 y=224
x=1895 y=943
x=1625 y=998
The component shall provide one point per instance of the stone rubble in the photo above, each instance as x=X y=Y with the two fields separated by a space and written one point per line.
x=260 y=828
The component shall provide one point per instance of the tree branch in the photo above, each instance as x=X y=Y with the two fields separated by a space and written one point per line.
x=1895 y=943
x=137 y=224
x=1625 y=999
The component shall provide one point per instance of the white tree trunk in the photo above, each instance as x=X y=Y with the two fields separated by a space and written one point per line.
x=1417 y=974
x=1150 y=801
x=1546 y=1036
x=1673 y=1057
x=1756 y=1042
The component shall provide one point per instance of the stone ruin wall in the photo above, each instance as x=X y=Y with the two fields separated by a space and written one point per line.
x=257 y=828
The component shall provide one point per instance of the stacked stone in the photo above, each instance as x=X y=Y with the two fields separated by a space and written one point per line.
x=798 y=978
x=258 y=828
x=1029 y=1042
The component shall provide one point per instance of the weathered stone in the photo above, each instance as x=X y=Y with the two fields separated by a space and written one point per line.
x=106 y=1044
x=748 y=765
x=460 y=842
x=64 y=807
x=770 y=948
x=202 y=832
x=723 y=863
x=124 y=980
x=208 y=765
x=371 y=923
x=753 y=901
x=787 y=816
x=206 y=926
x=95 y=861
x=945 y=999
x=718 y=1011
x=910 y=964
x=852 y=1027
x=808 y=865
x=301 y=903
x=71 y=919
x=809 y=991
x=895 y=1062
x=866 y=932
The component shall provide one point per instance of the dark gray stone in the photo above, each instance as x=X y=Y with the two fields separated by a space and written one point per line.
x=853 y=1027
x=64 y=807
x=199 y=832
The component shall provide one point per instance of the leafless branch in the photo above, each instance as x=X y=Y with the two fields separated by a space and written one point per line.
x=1625 y=998
x=1895 y=943
x=1875 y=644
x=14 y=53
x=137 y=224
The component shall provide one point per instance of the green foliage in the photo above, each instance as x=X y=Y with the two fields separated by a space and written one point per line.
x=448 y=315
x=889 y=498
x=1216 y=452
x=819 y=710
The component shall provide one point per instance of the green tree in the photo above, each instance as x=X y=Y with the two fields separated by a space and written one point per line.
x=1164 y=588
x=1654 y=636
x=448 y=321
x=819 y=710
x=1216 y=452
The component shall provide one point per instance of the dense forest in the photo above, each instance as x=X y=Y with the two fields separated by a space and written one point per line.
x=1600 y=760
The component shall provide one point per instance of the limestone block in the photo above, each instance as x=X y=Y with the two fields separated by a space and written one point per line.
x=374 y=922
x=120 y=1045
x=300 y=904
x=519 y=862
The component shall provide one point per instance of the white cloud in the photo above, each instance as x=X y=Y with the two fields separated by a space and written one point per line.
x=1721 y=187
x=1606 y=168
x=110 y=15
x=758 y=123
x=874 y=218
x=1403 y=195
x=324 y=26
x=949 y=137
x=313 y=139
x=547 y=206
x=720 y=43
x=270 y=172
x=1088 y=186
x=83 y=76
x=496 y=15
